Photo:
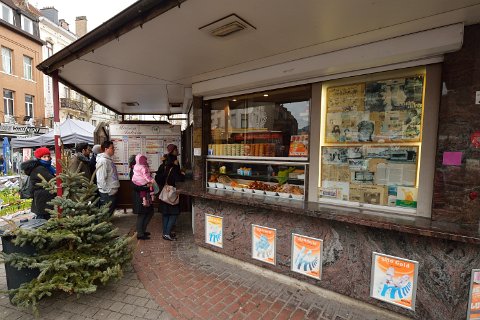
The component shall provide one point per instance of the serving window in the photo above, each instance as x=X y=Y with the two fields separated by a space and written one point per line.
x=371 y=140
x=273 y=124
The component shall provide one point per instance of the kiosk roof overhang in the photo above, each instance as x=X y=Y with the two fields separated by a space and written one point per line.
x=147 y=59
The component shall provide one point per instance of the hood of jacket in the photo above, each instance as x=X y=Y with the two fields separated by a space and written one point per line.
x=102 y=157
x=29 y=165
x=141 y=159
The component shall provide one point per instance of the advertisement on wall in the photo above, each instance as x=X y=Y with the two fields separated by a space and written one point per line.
x=394 y=280
x=307 y=256
x=214 y=230
x=474 y=299
x=264 y=244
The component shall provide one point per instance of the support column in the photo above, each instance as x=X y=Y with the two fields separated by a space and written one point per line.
x=56 y=130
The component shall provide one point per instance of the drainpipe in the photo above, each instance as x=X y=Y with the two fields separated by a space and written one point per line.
x=56 y=131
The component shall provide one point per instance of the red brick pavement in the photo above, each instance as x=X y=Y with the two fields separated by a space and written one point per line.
x=191 y=285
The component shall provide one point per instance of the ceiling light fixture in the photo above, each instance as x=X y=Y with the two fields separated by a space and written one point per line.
x=226 y=26
x=265 y=95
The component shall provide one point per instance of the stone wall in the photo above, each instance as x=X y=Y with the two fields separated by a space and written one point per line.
x=444 y=266
x=454 y=197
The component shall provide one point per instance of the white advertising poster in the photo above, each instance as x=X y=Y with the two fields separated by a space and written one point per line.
x=264 y=244
x=473 y=310
x=394 y=280
x=214 y=230
x=148 y=139
x=307 y=256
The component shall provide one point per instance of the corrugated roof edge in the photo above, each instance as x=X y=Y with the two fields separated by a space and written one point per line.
x=130 y=18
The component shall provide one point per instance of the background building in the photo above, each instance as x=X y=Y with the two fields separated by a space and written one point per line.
x=56 y=34
x=21 y=84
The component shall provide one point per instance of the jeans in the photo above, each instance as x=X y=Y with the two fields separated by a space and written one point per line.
x=168 y=223
x=143 y=219
x=106 y=198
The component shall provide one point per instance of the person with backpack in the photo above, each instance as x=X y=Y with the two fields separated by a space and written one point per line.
x=168 y=173
x=36 y=169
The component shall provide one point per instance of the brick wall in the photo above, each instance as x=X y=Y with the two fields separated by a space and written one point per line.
x=459 y=117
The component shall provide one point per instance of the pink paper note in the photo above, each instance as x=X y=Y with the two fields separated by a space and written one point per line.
x=452 y=158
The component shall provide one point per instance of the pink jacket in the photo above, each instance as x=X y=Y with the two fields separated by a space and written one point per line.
x=141 y=171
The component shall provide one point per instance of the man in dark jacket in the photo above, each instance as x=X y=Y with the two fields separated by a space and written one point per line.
x=40 y=166
x=80 y=160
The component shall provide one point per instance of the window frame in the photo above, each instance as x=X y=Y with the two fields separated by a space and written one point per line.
x=6 y=100
x=426 y=161
x=5 y=49
x=24 y=19
x=27 y=67
x=10 y=13
x=29 y=106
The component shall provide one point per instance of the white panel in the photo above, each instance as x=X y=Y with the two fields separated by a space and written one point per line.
x=405 y=48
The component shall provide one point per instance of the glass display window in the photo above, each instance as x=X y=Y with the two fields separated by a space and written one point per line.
x=272 y=124
x=371 y=138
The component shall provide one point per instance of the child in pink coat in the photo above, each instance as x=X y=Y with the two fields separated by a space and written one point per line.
x=141 y=177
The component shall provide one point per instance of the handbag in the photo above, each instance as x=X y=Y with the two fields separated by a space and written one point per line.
x=169 y=193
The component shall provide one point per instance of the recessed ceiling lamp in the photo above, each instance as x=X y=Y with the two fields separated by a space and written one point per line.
x=265 y=95
x=131 y=103
x=234 y=100
x=226 y=26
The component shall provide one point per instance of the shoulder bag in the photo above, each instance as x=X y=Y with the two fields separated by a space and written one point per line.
x=169 y=193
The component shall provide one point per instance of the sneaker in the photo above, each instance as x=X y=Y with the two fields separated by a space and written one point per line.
x=147 y=233
x=167 y=237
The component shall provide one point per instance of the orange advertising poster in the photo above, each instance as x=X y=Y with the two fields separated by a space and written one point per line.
x=394 y=280
x=214 y=230
x=474 y=301
x=307 y=256
x=264 y=244
x=298 y=146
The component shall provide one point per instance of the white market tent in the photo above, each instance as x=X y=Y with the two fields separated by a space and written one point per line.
x=71 y=131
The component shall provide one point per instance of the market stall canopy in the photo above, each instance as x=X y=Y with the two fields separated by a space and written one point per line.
x=71 y=131
x=153 y=56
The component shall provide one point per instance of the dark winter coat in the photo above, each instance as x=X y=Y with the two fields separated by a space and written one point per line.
x=41 y=196
x=81 y=163
x=161 y=178
x=138 y=207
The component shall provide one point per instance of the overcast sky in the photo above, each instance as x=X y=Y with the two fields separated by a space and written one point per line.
x=97 y=11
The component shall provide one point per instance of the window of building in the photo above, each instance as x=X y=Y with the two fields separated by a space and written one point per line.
x=8 y=102
x=7 y=13
x=49 y=47
x=27 y=67
x=7 y=55
x=29 y=105
x=249 y=125
x=94 y=123
x=372 y=134
x=27 y=24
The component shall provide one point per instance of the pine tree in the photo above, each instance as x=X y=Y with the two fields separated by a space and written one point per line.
x=76 y=250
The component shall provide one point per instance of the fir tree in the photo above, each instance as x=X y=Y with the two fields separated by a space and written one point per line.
x=76 y=250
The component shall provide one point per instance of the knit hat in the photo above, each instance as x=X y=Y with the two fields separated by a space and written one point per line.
x=171 y=147
x=40 y=152
x=97 y=149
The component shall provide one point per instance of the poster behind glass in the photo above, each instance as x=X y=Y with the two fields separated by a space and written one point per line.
x=376 y=111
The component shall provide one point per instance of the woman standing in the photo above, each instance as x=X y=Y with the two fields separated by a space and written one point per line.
x=40 y=166
x=169 y=172
x=144 y=213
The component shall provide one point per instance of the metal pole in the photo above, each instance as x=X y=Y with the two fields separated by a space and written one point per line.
x=56 y=131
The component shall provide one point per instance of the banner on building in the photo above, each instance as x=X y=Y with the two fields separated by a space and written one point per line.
x=307 y=256
x=214 y=230
x=264 y=244
x=474 y=299
x=394 y=280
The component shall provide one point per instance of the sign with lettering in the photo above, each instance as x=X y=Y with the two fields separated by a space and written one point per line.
x=144 y=130
x=394 y=280
x=264 y=244
x=473 y=311
x=214 y=230
x=307 y=256
x=18 y=128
